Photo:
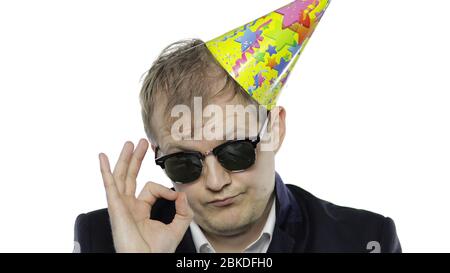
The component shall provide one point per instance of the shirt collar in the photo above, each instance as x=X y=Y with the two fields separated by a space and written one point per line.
x=261 y=244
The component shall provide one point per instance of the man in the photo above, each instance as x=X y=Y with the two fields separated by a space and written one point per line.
x=227 y=196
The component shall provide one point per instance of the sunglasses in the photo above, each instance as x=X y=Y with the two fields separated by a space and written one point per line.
x=233 y=155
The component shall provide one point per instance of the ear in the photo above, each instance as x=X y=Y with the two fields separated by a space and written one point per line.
x=276 y=128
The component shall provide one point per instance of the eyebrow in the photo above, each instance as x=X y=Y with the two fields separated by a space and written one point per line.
x=227 y=136
x=174 y=147
x=178 y=147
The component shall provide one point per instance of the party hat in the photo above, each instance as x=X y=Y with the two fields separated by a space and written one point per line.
x=261 y=54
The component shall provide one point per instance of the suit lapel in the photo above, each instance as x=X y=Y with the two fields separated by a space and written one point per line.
x=290 y=232
x=187 y=244
x=282 y=242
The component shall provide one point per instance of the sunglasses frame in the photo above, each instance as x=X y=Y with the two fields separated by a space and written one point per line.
x=160 y=161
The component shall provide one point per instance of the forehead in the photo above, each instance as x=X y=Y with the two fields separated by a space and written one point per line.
x=216 y=124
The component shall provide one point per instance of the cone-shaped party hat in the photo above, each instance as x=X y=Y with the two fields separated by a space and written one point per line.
x=261 y=54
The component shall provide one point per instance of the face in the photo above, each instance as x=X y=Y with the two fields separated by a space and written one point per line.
x=224 y=202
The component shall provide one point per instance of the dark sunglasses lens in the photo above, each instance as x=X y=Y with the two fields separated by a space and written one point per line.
x=183 y=168
x=237 y=156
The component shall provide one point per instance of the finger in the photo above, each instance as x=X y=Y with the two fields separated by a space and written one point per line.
x=184 y=214
x=182 y=205
x=108 y=179
x=152 y=191
x=134 y=167
x=121 y=168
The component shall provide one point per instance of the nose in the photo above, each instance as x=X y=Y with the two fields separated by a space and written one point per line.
x=216 y=177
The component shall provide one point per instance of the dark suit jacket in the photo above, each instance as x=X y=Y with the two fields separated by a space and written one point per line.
x=304 y=223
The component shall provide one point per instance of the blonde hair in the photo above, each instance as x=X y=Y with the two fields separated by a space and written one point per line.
x=183 y=70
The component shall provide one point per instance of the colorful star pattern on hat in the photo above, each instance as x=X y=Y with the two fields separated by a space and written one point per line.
x=265 y=50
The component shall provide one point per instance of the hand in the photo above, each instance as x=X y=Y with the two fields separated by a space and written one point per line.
x=132 y=228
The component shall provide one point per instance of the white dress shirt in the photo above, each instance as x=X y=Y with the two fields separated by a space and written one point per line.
x=259 y=246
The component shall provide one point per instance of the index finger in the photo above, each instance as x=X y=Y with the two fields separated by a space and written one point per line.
x=153 y=191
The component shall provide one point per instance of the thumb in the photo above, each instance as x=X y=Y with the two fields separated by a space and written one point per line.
x=183 y=215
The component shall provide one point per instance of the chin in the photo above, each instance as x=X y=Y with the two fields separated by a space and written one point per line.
x=229 y=222
x=228 y=228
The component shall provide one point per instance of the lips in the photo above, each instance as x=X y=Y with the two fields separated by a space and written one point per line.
x=224 y=201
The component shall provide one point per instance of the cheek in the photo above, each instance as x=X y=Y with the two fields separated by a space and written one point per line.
x=258 y=183
x=263 y=170
x=265 y=160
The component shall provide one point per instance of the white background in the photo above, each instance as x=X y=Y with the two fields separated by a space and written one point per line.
x=368 y=116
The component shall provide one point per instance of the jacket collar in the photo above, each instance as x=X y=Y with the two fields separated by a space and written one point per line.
x=290 y=228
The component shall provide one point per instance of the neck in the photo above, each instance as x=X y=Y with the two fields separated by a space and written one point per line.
x=238 y=243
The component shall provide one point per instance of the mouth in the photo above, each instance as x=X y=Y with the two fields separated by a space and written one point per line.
x=224 y=202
